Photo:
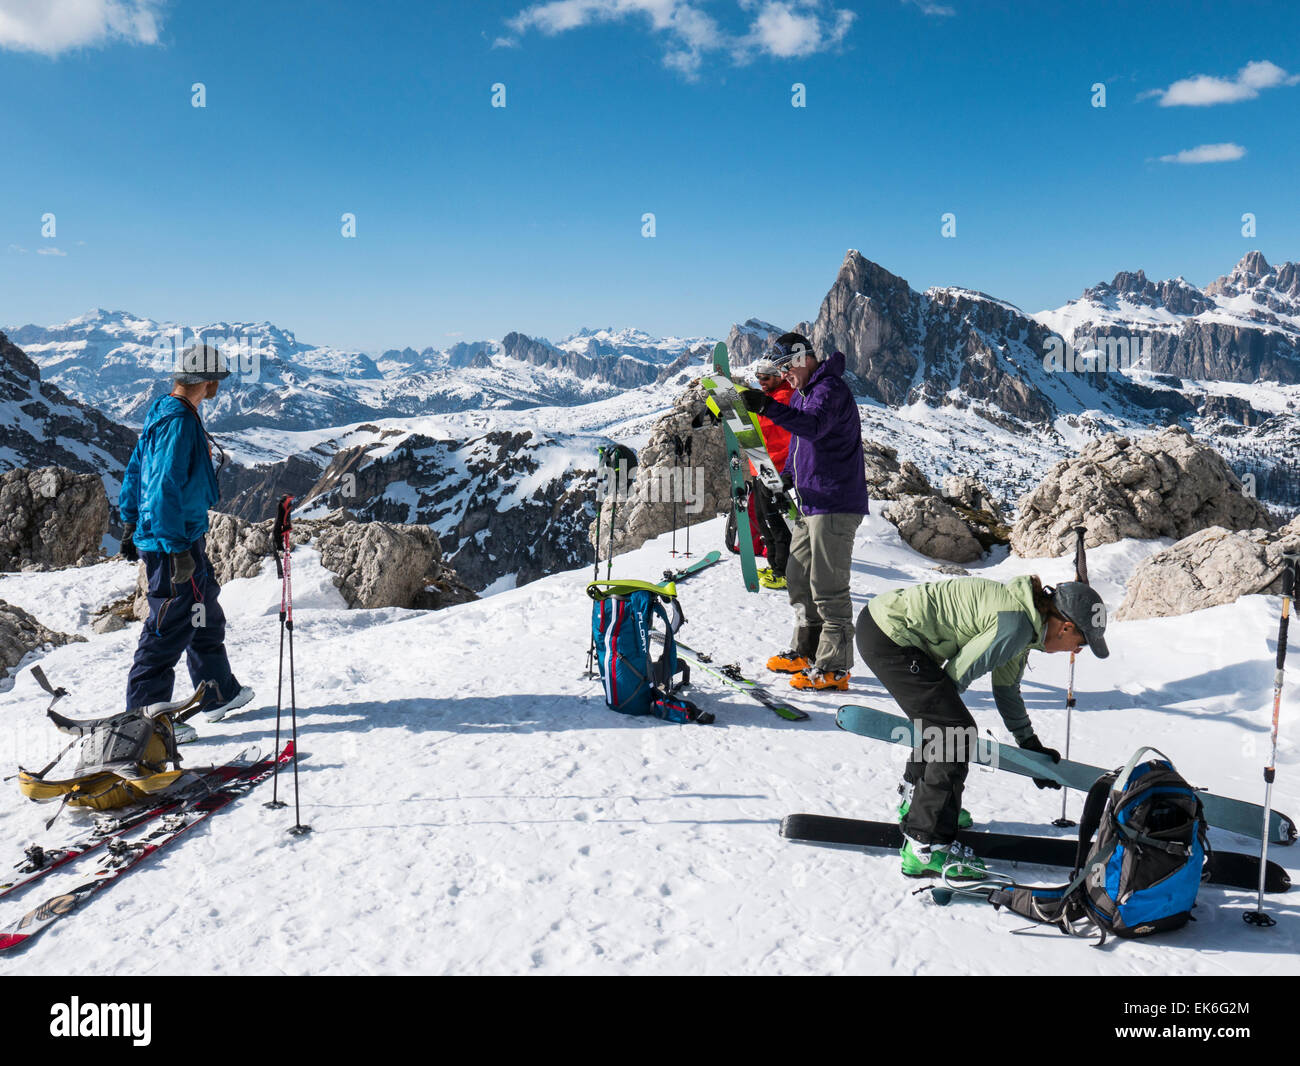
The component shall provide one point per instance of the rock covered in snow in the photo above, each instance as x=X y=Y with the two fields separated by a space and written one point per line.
x=50 y=517
x=645 y=508
x=933 y=528
x=21 y=634
x=1210 y=567
x=1164 y=485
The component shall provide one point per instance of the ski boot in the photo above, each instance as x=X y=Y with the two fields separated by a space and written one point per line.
x=821 y=680
x=955 y=861
x=787 y=662
x=964 y=820
x=243 y=696
x=771 y=580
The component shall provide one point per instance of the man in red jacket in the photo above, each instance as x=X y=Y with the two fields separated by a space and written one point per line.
x=771 y=520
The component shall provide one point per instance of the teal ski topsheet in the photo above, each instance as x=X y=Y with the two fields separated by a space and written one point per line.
x=739 y=490
x=694 y=568
x=1237 y=816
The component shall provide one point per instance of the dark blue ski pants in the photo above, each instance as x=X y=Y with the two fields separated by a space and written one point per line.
x=175 y=628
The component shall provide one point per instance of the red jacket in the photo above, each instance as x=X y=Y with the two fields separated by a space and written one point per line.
x=776 y=438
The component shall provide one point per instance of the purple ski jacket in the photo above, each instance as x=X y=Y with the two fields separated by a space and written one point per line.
x=825 y=442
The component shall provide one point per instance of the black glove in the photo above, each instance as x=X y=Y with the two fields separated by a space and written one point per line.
x=1034 y=744
x=128 y=545
x=788 y=481
x=182 y=567
x=756 y=401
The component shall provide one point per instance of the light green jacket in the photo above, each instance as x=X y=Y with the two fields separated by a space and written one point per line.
x=971 y=626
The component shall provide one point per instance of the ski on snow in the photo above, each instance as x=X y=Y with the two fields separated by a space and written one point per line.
x=730 y=675
x=1236 y=816
x=124 y=856
x=41 y=861
x=694 y=568
x=1231 y=869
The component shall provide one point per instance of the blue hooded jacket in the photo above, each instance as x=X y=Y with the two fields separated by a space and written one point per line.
x=825 y=456
x=169 y=483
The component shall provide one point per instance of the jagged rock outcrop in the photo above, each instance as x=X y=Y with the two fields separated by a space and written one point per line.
x=976 y=506
x=50 y=517
x=933 y=528
x=890 y=479
x=21 y=634
x=957 y=347
x=1165 y=485
x=645 y=509
x=1210 y=567
x=377 y=564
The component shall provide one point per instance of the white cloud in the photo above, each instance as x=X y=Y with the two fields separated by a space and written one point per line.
x=928 y=7
x=1205 y=90
x=50 y=251
x=54 y=26
x=1207 y=153
x=782 y=29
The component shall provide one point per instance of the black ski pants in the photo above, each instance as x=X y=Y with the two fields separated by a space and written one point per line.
x=944 y=733
x=772 y=528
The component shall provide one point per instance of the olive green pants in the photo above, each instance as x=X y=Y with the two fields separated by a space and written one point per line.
x=817 y=577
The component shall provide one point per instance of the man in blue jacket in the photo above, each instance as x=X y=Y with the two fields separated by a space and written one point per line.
x=829 y=472
x=166 y=492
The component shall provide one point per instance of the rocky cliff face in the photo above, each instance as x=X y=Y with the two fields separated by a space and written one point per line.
x=953 y=346
x=40 y=426
x=50 y=517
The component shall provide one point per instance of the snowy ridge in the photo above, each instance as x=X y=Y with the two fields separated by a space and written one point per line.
x=538 y=832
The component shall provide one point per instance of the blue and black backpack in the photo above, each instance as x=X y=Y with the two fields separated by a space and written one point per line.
x=635 y=682
x=1143 y=873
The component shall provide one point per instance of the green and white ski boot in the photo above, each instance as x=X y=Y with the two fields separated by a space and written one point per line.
x=954 y=861
x=964 y=819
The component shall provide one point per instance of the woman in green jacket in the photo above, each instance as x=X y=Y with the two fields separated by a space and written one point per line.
x=926 y=644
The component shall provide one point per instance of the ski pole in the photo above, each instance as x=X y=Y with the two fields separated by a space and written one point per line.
x=687 y=553
x=277 y=544
x=1080 y=574
x=1290 y=572
x=677 y=455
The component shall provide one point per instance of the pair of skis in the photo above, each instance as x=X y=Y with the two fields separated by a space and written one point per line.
x=1229 y=868
x=176 y=816
x=737 y=467
x=1236 y=816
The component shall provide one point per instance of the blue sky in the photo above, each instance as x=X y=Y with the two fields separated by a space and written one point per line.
x=473 y=220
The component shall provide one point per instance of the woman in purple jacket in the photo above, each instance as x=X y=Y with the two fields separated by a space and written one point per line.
x=829 y=475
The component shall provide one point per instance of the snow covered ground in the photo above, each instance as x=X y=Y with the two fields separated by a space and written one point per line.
x=477 y=809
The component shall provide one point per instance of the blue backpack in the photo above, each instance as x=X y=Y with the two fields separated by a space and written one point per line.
x=1143 y=873
x=635 y=682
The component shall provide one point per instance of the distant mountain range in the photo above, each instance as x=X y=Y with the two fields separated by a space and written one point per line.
x=119 y=363
x=487 y=440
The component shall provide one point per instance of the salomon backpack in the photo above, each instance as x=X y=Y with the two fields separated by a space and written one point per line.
x=1142 y=874
x=635 y=682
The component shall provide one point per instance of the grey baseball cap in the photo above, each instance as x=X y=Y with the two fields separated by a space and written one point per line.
x=200 y=363
x=1081 y=604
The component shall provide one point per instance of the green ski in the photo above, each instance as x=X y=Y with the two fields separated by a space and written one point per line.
x=736 y=470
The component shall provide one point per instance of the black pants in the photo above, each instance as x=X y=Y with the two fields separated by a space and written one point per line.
x=772 y=528
x=944 y=731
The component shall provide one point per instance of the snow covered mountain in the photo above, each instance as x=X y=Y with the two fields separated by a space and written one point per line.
x=40 y=426
x=119 y=363
x=541 y=833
